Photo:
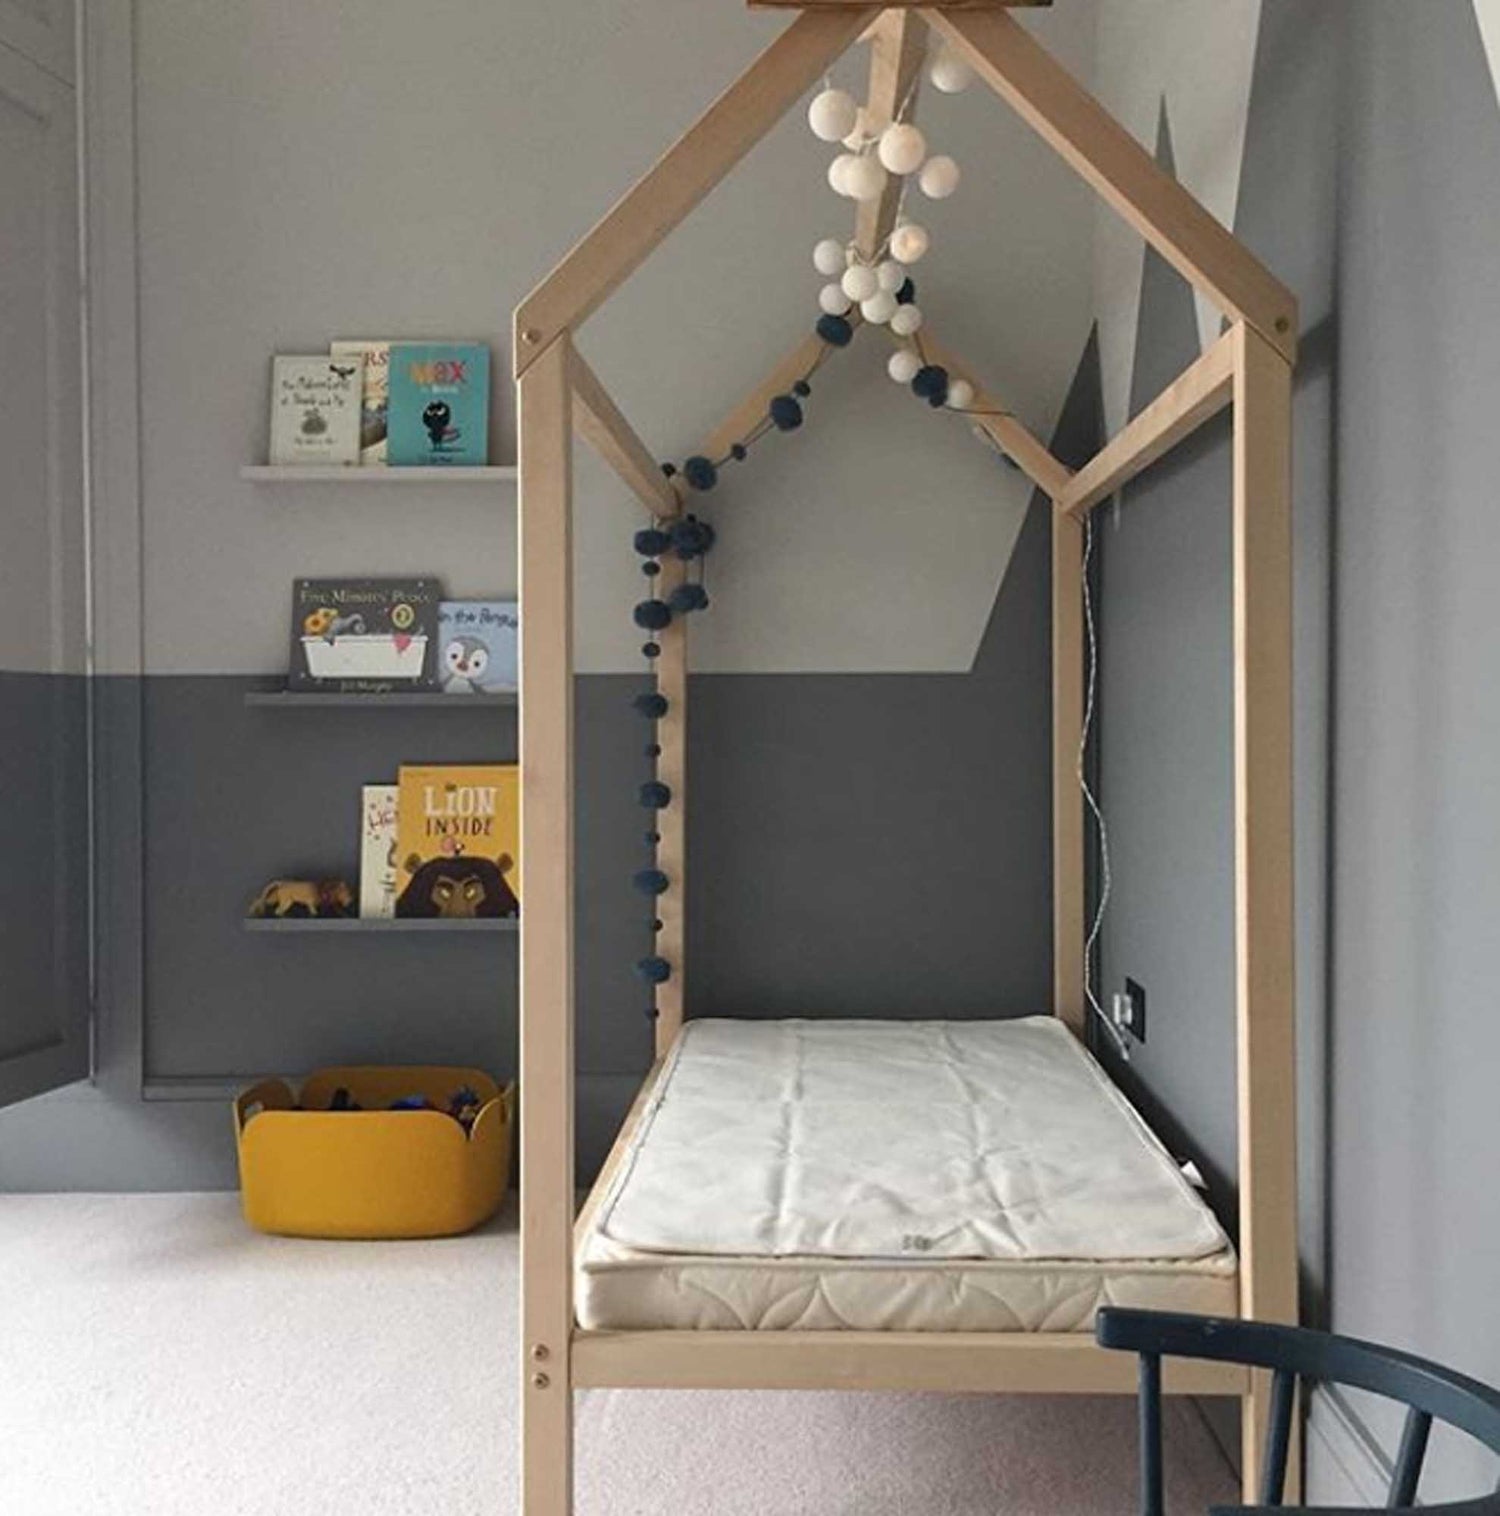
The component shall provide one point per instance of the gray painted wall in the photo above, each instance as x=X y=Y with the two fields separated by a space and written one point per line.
x=1416 y=1043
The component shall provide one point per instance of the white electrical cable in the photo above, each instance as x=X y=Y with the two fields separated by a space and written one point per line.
x=1106 y=878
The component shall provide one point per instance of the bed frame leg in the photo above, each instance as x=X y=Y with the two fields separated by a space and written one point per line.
x=547 y=1451
x=547 y=1170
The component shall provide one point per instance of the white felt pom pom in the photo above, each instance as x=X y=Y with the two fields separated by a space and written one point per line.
x=891 y=275
x=907 y=320
x=949 y=73
x=833 y=300
x=908 y=242
x=939 y=177
x=960 y=394
x=831 y=115
x=838 y=173
x=828 y=257
x=879 y=308
x=865 y=178
x=859 y=282
x=902 y=148
x=903 y=366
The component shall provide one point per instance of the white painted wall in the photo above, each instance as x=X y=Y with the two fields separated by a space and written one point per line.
x=303 y=175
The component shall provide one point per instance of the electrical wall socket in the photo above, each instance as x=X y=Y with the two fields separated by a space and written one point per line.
x=1127 y=1010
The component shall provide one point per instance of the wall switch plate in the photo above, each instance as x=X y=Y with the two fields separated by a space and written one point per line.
x=1127 y=1010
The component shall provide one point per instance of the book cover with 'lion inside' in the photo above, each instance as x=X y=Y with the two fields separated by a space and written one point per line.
x=458 y=840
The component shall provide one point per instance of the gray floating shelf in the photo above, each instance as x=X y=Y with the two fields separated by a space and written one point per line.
x=333 y=473
x=379 y=924
x=427 y=699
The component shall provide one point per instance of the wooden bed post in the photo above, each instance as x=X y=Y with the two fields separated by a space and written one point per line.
x=1068 y=873
x=671 y=823
x=1264 y=985
x=547 y=1174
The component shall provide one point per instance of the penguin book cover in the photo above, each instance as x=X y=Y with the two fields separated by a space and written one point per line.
x=439 y=404
x=364 y=636
x=477 y=646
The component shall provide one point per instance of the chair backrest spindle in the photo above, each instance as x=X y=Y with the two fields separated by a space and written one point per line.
x=1408 y=1468
x=1278 y=1437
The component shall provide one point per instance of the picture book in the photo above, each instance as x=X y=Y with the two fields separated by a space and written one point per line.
x=374 y=393
x=377 y=850
x=458 y=840
x=477 y=646
x=368 y=636
x=439 y=410
x=315 y=409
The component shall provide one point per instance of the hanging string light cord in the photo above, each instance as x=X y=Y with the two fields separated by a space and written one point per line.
x=1091 y=800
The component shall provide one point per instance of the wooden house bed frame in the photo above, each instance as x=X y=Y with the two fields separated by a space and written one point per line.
x=1248 y=369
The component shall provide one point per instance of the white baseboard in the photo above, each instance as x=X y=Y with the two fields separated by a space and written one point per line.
x=1344 y=1464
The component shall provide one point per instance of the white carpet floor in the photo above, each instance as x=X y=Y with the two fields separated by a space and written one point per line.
x=160 y=1359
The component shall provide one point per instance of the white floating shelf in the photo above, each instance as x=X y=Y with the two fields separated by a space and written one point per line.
x=333 y=473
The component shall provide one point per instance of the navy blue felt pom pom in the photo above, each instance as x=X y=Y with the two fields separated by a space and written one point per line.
x=654 y=706
x=653 y=750
x=689 y=597
x=669 y=469
x=651 y=882
x=651 y=838
x=835 y=330
x=656 y=924
x=700 y=472
x=654 y=970
x=653 y=615
x=930 y=380
x=691 y=538
x=651 y=568
x=651 y=649
x=786 y=413
x=907 y=294
x=651 y=542
x=654 y=795
x=803 y=388
x=738 y=451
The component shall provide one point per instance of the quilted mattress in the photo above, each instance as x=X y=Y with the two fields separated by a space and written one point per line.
x=900 y=1176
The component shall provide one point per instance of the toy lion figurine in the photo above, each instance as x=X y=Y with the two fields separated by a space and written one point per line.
x=304 y=897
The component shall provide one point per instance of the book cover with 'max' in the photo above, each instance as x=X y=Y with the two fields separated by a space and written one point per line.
x=458 y=840
x=439 y=406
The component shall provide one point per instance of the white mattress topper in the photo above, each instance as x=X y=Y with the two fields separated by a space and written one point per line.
x=898 y=1140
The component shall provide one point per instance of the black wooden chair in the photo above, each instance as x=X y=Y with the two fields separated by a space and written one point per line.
x=1293 y=1354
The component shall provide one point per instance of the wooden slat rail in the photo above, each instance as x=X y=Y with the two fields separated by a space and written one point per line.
x=1103 y=153
x=1035 y=460
x=606 y=430
x=730 y=127
x=896 y=51
x=671 y=823
x=1265 y=987
x=1201 y=391
x=1069 y=874
x=1058 y=1363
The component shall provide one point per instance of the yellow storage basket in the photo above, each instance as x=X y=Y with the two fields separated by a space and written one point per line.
x=374 y=1172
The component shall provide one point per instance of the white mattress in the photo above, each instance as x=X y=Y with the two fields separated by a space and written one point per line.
x=901 y=1176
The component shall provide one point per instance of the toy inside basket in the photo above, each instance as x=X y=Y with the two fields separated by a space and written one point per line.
x=308 y=1170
